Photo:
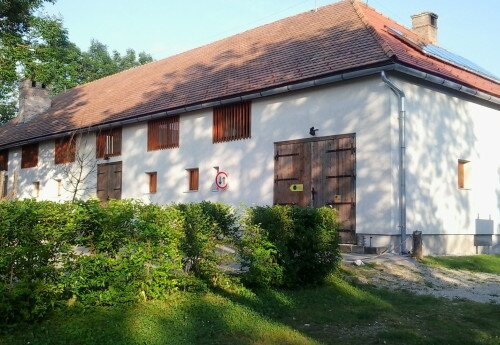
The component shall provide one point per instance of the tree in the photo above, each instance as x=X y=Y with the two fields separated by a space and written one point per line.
x=38 y=47
x=98 y=63
x=79 y=176
x=15 y=15
x=43 y=52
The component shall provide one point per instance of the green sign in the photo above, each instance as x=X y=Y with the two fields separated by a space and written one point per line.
x=297 y=187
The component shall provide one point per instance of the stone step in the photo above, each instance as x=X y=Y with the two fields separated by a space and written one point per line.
x=356 y=249
x=351 y=248
x=374 y=250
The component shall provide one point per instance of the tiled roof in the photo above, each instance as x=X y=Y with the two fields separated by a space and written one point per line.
x=414 y=57
x=339 y=37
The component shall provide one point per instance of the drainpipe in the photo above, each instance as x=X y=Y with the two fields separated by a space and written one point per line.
x=402 y=157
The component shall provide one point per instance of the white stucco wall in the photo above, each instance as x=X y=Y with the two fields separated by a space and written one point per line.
x=360 y=107
x=442 y=128
x=48 y=174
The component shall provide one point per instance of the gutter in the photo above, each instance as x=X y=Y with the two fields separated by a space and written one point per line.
x=271 y=92
x=402 y=159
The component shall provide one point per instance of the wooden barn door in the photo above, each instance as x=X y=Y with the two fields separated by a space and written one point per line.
x=325 y=168
x=109 y=181
x=292 y=168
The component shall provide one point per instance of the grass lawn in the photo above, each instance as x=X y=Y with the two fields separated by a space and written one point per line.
x=337 y=313
x=476 y=263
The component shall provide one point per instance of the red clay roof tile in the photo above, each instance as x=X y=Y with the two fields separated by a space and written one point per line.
x=339 y=37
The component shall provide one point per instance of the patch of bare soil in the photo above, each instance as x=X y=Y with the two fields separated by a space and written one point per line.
x=404 y=273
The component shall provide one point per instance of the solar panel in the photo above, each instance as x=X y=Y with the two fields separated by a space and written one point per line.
x=457 y=60
x=444 y=55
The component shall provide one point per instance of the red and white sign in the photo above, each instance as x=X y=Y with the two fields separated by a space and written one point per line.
x=221 y=180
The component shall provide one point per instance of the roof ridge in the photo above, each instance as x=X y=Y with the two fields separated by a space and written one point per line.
x=383 y=44
x=192 y=50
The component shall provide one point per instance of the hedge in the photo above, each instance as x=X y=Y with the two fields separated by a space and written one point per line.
x=88 y=254
x=289 y=246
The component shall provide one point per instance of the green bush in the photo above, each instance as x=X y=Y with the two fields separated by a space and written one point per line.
x=222 y=218
x=139 y=252
x=107 y=229
x=289 y=246
x=207 y=227
x=137 y=256
x=35 y=238
x=259 y=258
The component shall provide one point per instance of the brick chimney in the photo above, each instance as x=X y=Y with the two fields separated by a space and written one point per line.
x=425 y=25
x=34 y=99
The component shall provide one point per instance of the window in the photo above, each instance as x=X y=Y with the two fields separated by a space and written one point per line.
x=4 y=160
x=29 y=156
x=163 y=133
x=193 y=176
x=153 y=182
x=464 y=172
x=231 y=122
x=109 y=143
x=65 y=150
x=36 y=189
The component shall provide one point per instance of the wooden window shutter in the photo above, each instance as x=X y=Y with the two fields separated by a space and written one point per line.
x=29 y=156
x=194 y=177
x=231 y=122
x=65 y=150
x=4 y=160
x=463 y=174
x=153 y=182
x=163 y=133
x=4 y=184
x=117 y=141
x=100 y=145
x=109 y=143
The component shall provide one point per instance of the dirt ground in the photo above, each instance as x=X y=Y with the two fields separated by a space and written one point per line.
x=398 y=272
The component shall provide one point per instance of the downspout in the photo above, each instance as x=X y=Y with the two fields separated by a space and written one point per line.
x=402 y=158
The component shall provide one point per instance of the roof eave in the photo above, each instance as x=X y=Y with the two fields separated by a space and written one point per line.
x=322 y=81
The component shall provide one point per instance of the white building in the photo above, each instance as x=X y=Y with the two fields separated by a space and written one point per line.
x=339 y=107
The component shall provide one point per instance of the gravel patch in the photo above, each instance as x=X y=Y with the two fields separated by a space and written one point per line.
x=397 y=272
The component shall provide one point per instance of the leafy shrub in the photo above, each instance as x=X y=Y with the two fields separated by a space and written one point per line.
x=137 y=256
x=35 y=238
x=259 y=258
x=222 y=218
x=107 y=229
x=289 y=246
x=142 y=251
x=199 y=243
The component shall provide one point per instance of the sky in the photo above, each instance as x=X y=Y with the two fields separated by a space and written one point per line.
x=162 y=28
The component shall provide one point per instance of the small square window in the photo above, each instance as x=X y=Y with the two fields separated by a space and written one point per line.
x=463 y=174
x=4 y=160
x=193 y=176
x=163 y=133
x=153 y=182
x=109 y=143
x=29 y=156
x=231 y=122
x=65 y=150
